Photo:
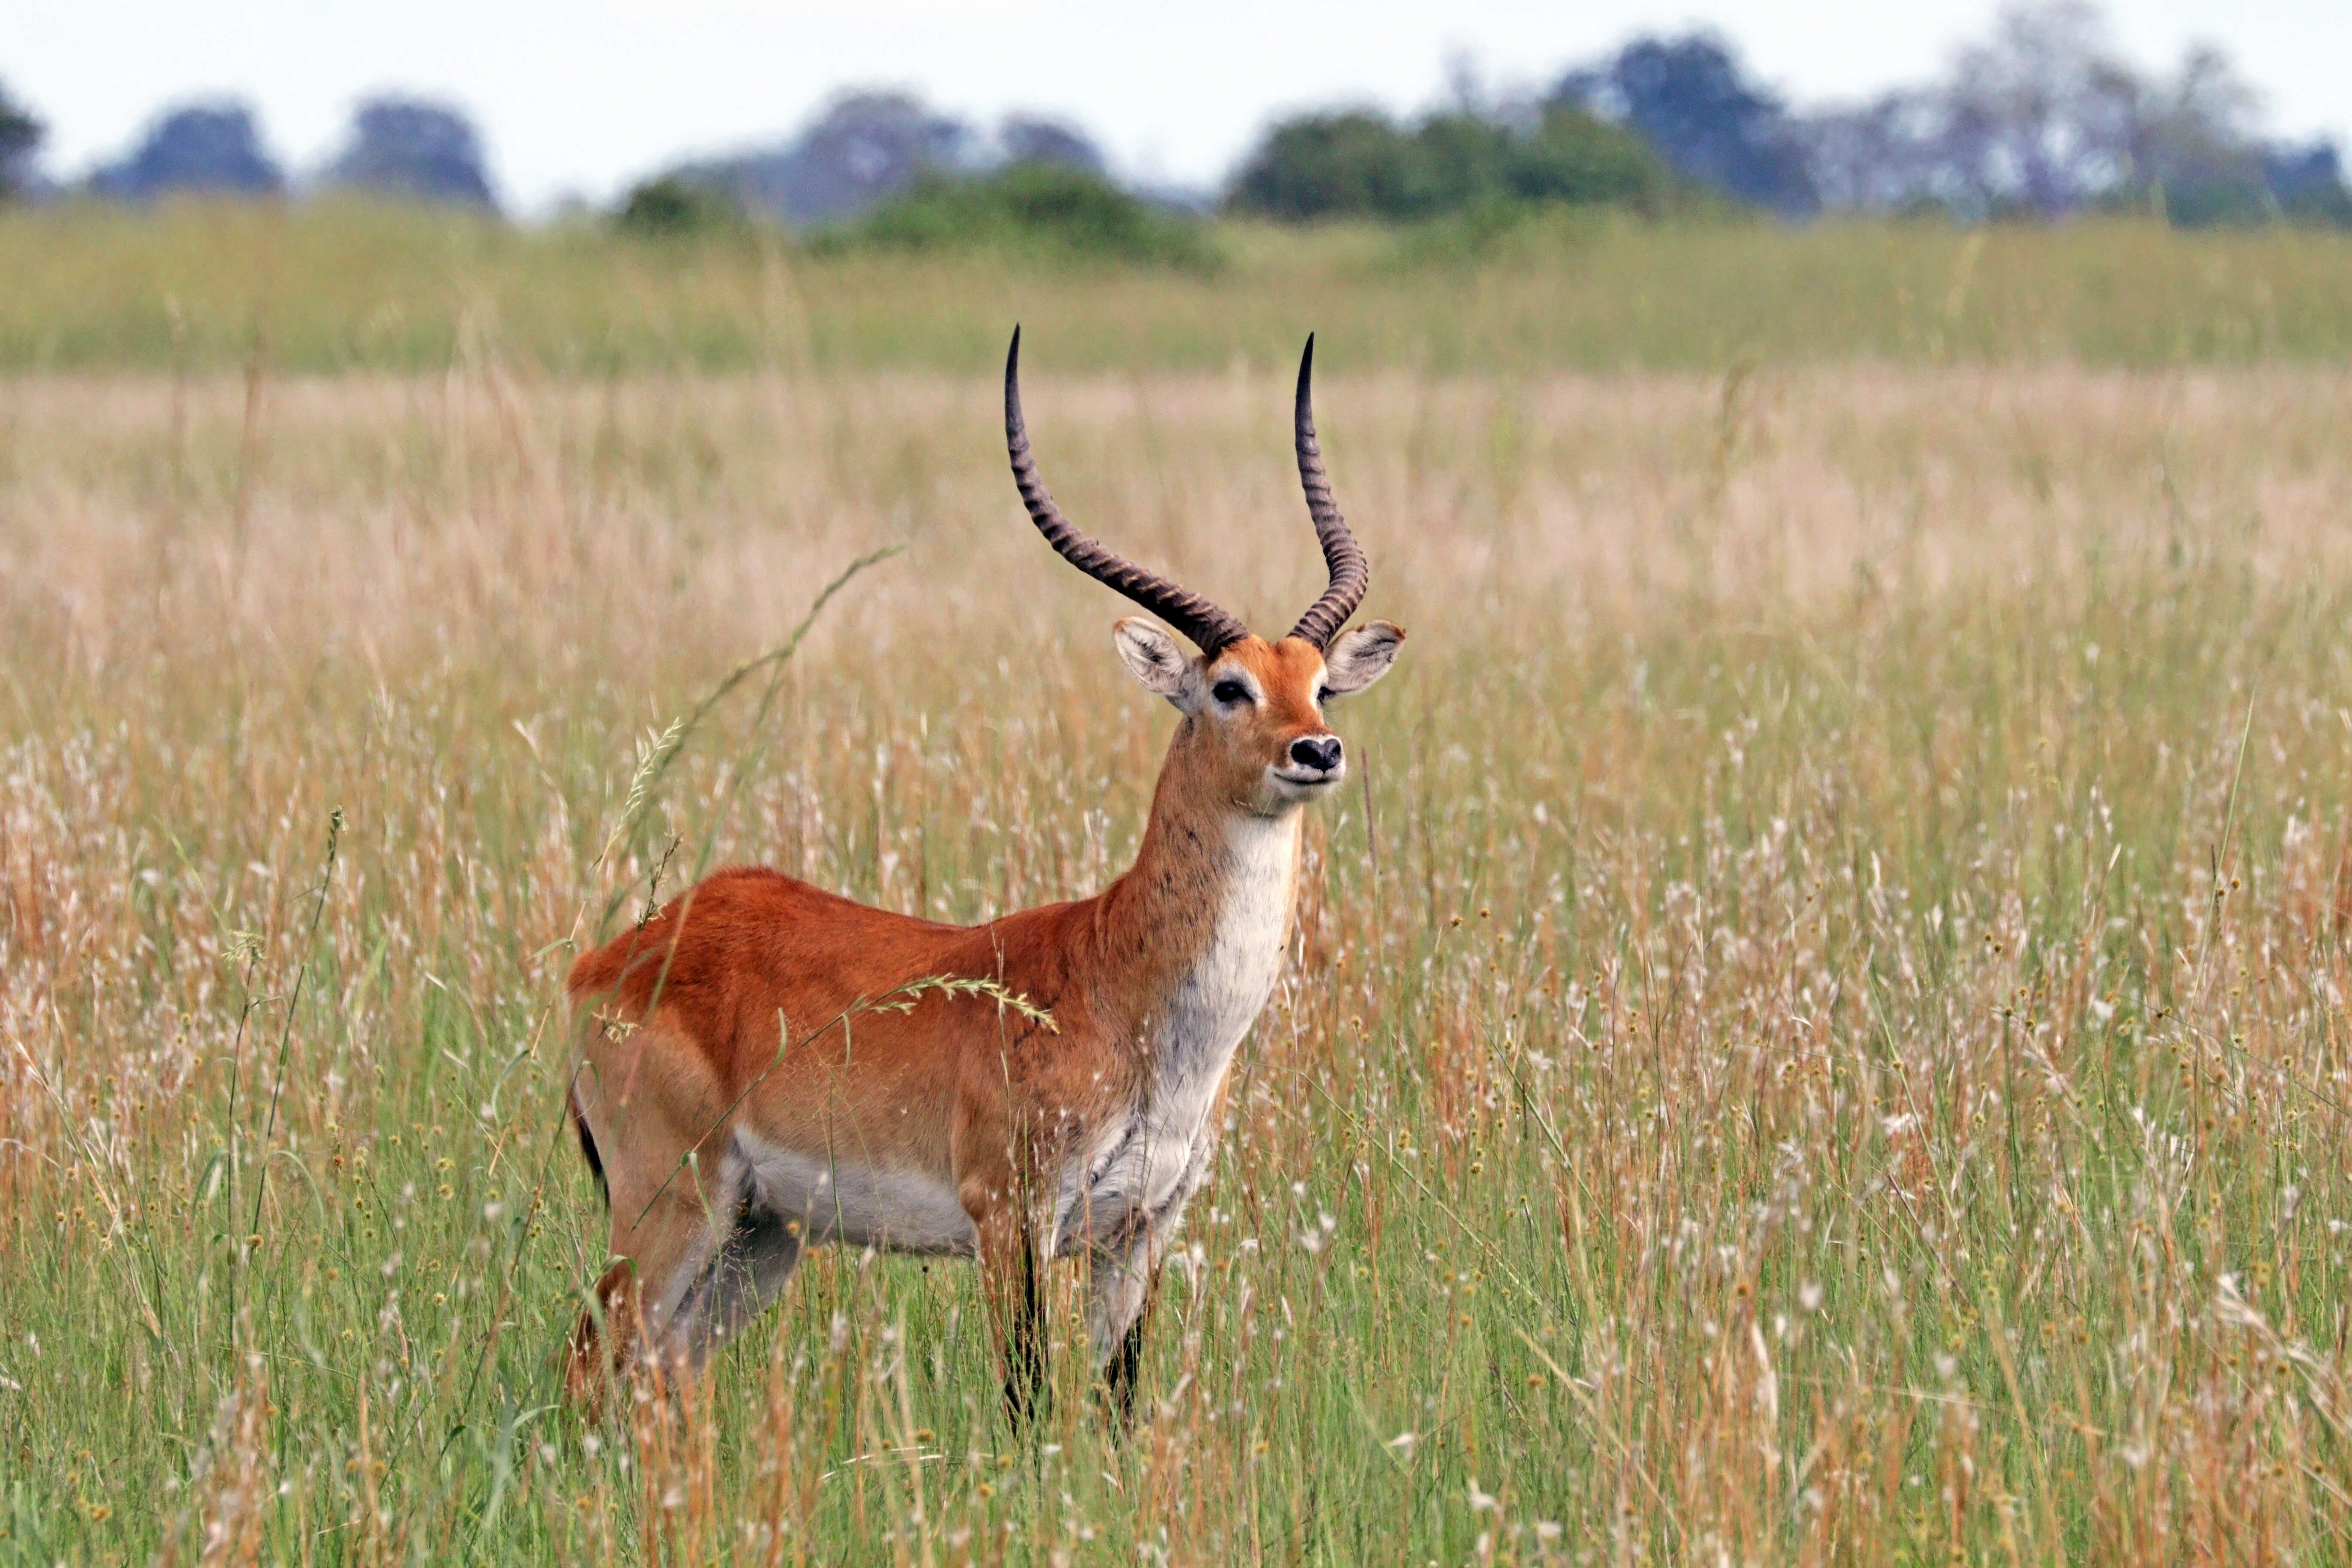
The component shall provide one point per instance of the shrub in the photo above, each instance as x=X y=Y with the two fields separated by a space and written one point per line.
x=1575 y=160
x=1052 y=208
x=672 y=207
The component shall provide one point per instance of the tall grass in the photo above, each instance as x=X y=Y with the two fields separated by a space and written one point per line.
x=1818 y=1037
x=343 y=287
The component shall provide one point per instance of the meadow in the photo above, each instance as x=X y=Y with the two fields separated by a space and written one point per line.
x=1816 y=1035
x=198 y=289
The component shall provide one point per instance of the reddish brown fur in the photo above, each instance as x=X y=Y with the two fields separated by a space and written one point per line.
x=681 y=1020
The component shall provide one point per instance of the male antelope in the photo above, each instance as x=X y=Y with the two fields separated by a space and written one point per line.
x=742 y=1096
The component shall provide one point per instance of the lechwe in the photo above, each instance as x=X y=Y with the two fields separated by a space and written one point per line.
x=767 y=1067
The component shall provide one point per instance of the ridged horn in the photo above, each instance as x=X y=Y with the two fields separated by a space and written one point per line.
x=1351 y=575
x=1210 y=626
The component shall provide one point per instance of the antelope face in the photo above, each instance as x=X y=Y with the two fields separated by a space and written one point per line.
x=1253 y=710
x=1257 y=707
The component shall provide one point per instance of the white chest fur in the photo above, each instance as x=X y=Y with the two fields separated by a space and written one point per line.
x=1221 y=997
x=1148 y=1165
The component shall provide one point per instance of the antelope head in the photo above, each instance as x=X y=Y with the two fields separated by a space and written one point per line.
x=1254 y=710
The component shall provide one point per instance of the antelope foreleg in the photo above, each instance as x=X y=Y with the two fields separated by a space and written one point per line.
x=654 y=1264
x=1013 y=1281
x=1121 y=1290
x=602 y=1342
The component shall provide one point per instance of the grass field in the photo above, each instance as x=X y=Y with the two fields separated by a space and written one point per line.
x=312 y=288
x=1820 y=1039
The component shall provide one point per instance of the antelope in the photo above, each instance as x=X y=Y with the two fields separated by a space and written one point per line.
x=767 y=1067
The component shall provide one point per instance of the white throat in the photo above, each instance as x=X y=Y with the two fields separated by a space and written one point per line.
x=1147 y=1164
x=1221 y=995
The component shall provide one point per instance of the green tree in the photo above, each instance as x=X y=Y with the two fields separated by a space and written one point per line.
x=1363 y=164
x=20 y=137
x=1327 y=165
x=1574 y=159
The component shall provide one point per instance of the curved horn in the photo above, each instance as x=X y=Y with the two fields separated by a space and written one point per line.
x=1350 y=574
x=1209 y=627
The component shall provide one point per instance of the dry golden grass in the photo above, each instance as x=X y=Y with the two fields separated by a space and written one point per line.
x=1820 y=1040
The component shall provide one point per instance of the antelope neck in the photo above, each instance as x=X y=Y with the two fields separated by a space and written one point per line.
x=1197 y=926
x=1195 y=933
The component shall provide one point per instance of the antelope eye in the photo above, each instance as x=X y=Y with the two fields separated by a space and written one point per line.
x=1230 y=691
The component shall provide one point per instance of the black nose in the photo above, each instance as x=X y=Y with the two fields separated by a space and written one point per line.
x=1321 y=753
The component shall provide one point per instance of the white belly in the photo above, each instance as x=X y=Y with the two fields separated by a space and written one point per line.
x=897 y=1209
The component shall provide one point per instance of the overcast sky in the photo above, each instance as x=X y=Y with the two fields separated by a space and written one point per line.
x=578 y=97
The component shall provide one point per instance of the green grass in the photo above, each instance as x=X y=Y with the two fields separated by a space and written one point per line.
x=336 y=288
x=1818 y=1037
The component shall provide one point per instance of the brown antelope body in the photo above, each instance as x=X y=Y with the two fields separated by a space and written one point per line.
x=767 y=1067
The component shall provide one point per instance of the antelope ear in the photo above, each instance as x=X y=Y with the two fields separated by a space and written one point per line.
x=1358 y=658
x=1152 y=656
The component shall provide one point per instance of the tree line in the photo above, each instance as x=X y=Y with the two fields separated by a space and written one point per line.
x=2040 y=118
x=413 y=148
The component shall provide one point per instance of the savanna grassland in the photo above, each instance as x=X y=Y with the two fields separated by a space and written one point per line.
x=1816 y=1035
x=198 y=289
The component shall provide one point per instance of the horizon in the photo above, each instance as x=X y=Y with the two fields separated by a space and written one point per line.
x=714 y=77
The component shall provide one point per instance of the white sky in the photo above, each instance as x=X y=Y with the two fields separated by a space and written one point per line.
x=582 y=96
